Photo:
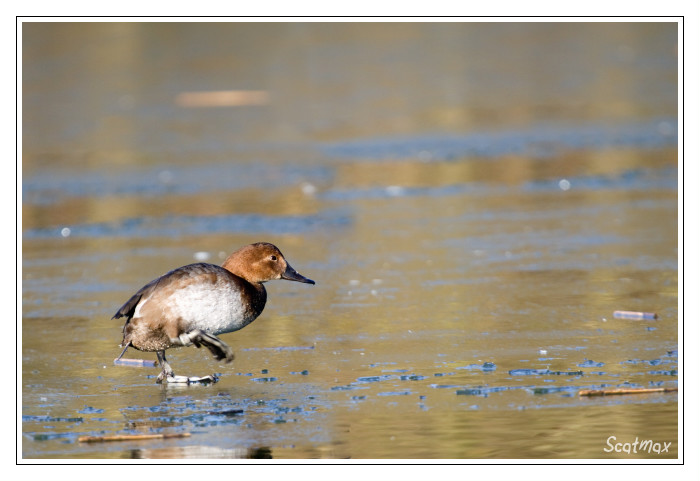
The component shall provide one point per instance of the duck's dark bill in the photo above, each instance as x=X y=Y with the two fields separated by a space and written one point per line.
x=291 y=275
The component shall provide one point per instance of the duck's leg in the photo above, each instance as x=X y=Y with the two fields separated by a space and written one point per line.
x=167 y=371
x=169 y=376
x=216 y=346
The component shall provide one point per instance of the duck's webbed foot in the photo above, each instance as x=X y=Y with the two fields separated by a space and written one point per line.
x=186 y=380
x=167 y=375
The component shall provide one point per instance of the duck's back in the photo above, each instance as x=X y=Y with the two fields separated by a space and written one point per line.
x=197 y=296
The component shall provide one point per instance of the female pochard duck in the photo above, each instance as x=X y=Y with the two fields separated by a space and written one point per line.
x=195 y=303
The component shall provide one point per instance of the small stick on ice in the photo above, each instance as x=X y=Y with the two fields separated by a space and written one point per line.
x=130 y=437
x=135 y=362
x=608 y=392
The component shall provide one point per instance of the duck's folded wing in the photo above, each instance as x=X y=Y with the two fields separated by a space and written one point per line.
x=130 y=306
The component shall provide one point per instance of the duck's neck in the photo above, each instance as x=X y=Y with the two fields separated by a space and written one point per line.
x=234 y=264
x=256 y=290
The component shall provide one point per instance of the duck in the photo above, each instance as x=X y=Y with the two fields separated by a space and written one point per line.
x=193 y=304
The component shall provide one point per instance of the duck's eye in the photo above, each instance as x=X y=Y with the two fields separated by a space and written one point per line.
x=273 y=258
